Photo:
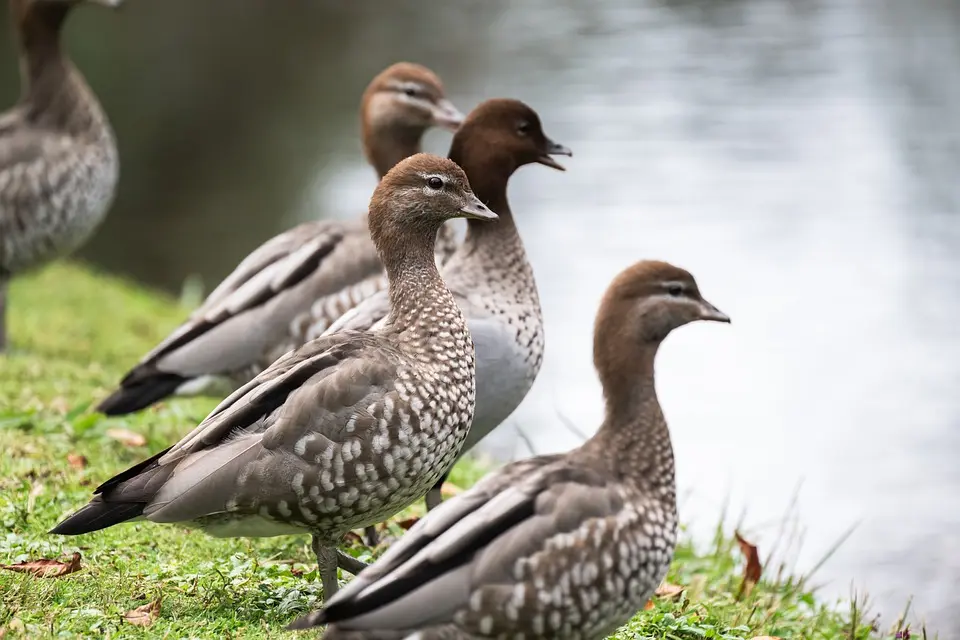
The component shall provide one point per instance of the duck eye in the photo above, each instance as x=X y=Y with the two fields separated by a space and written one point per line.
x=675 y=290
x=435 y=183
x=523 y=128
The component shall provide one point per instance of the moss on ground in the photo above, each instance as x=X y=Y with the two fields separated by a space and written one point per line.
x=74 y=333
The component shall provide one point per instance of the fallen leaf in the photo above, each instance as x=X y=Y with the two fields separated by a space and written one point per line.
x=649 y=605
x=667 y=590
x=296 y=571
x=127 y=437
x=76 y=461
x=406 y=524
x=353 y=537
x=46 y=568
x=145 y=615
x=751 y=573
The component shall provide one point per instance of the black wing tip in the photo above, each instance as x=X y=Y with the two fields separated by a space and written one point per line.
x=308 y=621
x=135 y=395
x=97 y=515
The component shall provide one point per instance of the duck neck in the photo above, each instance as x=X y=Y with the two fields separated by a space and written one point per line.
x=388 y=144
x=634 y=435
x=488 y=179
x=52 y=90
x=418 y=295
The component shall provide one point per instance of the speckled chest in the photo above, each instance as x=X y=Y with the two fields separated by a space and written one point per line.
x=50 y=206
x=389 y=452
x=506 y=323
x=583 y=584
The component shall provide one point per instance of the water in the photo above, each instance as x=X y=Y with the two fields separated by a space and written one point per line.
x=800 y=158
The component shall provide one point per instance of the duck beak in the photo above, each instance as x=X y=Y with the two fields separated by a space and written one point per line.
x=446 y=115
x=710 y=312
x=554 y=149
x=473 y=209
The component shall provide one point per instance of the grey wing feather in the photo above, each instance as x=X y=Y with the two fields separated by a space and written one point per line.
x=471 y=541
x=366 y=316
x=265 y=274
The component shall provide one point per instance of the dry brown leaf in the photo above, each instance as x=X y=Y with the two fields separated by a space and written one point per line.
x=667 y=590
x=352 y=537
x=649 y=605
x=127 y=437
x=45 y=567
x=751 y=572
x=145 y=615
x=407 y=523
x=76 y=461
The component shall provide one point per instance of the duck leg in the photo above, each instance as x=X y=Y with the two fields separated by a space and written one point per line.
x=370 y=536
x=434 y=497
x=327 y=562
x=350 y=564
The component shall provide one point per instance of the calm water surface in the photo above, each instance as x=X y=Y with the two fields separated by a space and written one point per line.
x=800 y=158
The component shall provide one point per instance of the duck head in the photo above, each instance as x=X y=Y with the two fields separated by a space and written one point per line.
x=502 y=135
x=649 y=300
x=418 y=195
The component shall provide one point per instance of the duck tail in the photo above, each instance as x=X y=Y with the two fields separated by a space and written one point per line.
x=98 y=514
x=139 y=393
x=308 y=621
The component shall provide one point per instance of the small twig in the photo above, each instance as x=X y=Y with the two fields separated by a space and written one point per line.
x=525 y=439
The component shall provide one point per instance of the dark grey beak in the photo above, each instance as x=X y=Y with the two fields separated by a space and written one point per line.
x=554 y=149
x=710 y=312
x=473 y=209
x=446 y=115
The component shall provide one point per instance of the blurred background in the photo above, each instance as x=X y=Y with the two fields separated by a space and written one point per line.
x=800 y=157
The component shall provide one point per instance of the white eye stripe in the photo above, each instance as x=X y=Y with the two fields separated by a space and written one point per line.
x=404 y=87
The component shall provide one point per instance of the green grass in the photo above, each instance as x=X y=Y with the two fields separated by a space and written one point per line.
x=74 y=332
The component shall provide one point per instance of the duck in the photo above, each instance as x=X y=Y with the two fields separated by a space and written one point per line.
x=566 y=545
x=298 y=278
x=344 y=431
x=489 y=274
x=59 y=165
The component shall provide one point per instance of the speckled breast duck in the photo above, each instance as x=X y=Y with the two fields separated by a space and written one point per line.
x=58 y=156
x=348 y=429
x=297 y=280
x=562 y=546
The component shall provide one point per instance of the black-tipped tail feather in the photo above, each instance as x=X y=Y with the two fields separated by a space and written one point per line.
x=140 y=392
x=97 y=515
x=313 y=619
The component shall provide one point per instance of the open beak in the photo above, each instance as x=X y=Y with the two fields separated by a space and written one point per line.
x=446 y=115
x=710 y=312
x=554 y=149
x=473 y=209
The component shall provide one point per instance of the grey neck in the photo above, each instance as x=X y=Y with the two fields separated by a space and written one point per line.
x=54 y=94
x=634 y=440
x=388 y=144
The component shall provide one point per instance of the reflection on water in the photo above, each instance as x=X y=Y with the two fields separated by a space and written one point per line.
x=799 y=158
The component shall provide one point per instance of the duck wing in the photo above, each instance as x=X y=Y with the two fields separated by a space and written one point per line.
x=474 y=541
